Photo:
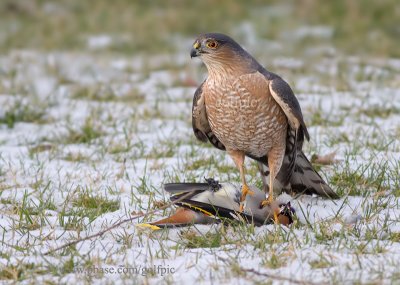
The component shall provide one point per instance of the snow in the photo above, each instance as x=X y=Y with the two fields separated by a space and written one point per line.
x=343 y=241
x=99 y=41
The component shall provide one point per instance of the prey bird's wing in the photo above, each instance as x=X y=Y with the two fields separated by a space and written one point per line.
x=200 y=124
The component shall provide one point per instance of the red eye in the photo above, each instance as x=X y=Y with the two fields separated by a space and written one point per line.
x=212 y=44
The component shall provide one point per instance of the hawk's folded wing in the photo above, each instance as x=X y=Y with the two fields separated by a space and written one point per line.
x=285 y=97
x=200 y=124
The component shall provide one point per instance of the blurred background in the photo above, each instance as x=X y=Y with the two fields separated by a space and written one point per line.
x=125 y=26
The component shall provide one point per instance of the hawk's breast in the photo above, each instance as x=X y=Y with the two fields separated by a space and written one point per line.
x=243 y=115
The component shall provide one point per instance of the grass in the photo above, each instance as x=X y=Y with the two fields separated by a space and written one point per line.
x=75 y=157
x=88 y=132
x=17 y=273
x=94 y=205
x=323 y=262
x=319 y=118
x=100 y=151
x=379 y=111
x=107 y=94
x=23 y=113
x=275 y=261
x=193 y=240
x=367 y=177
x=164 y=150
x=40 y=148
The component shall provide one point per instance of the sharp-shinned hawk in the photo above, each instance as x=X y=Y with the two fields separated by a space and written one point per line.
x=249 y=111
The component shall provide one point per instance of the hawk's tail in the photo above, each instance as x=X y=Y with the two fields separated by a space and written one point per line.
x=305 y=179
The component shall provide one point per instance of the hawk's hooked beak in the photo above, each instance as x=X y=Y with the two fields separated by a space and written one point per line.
x=196 y=50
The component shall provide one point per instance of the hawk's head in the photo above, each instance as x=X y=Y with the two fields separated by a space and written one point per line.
x=219 y=50
x=211 y=43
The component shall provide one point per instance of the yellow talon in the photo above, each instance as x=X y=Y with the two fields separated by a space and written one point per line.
x=276 y=220
x=267 y=202
x=276 y=213
x=246 y=191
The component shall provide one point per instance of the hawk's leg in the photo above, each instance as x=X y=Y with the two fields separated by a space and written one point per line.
x=275 y=158
x=238 y=158
x=264 y=171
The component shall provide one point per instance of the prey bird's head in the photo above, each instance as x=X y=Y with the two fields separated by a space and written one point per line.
x=220 y=51
x=286 y=213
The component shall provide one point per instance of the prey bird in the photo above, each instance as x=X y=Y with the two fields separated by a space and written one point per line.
x=249 y=111
x=204 y=203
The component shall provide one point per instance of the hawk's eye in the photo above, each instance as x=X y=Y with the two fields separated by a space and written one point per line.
x=212 y=44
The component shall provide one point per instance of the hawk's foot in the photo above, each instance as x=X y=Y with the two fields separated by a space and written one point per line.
x=276 y=220
x=245 y=191
x=267 y=202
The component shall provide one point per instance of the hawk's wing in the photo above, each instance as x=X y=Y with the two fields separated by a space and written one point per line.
x=296 y=168
x=200 y=124
x=284 y=96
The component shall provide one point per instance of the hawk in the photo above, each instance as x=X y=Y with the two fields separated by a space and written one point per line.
x=249 y=111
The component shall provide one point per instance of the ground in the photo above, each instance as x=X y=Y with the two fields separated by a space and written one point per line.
x=88 y=137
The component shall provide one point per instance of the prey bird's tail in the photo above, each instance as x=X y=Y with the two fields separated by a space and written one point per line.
x=305 y=179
